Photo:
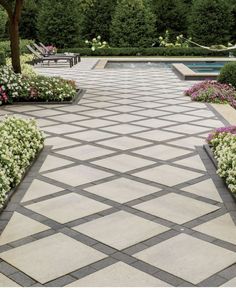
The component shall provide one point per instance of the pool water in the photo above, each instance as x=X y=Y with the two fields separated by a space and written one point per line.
x=206 y=67
x=198 y=67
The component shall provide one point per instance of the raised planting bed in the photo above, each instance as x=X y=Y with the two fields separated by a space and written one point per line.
x=17 y=88
x=221 y=149
x=20 y=144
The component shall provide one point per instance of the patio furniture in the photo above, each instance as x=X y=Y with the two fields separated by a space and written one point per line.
x=48 y=52
x=51 y=58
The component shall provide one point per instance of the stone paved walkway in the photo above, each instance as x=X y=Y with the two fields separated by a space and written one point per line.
x=126 y=195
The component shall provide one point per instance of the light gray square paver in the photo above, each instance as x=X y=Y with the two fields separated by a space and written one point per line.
x=95 y=123
x=51 y=257
x=162 y=152
x=222 y=228
x=52 y=162
x=192 y=162
x=91 y=135
x=68 y=207
x=161 y=174
x=109 y=229
x=85 y=152
x=205 y=189
x=151 y=113
x=40 y=189
x=176 y=208
x=59 y=142
x=123 y=163
x=189 y=142
x=68 y=118
x=44 y=113
x=230 y=283
x=188 y=129
x=6 y=282
x=157 y=135
x=122 y=190
x=188 y=258
x=119 y=275
x=124 y=129
x=180 y=118
x=154 y=123
x=124 y=143
x=78 y=175
x=125 y=118
x=19 y=227
x=62 y=128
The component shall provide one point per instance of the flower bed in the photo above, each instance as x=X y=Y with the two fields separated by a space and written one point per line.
x=20 y=142
x=223 y=144
x=34 y=88
x=213 y=92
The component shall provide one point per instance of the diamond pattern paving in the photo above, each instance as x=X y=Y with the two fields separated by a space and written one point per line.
x=125 y=182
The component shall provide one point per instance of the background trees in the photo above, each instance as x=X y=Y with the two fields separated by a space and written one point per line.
x=210 y=21
x=133 y=24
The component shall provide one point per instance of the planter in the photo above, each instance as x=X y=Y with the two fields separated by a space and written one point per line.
x=210 y=154
x=75 y=100
x=13 y=190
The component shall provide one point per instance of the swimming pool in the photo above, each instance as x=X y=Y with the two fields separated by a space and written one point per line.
x=198 y=67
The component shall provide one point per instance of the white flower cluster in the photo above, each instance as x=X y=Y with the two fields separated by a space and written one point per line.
x=20 y=141
x=224 y=148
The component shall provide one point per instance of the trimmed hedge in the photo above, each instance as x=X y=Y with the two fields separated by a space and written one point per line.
x=2 y=58
x=157 y=51
x=228 y=74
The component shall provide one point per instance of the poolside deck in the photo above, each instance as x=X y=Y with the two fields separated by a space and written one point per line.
x=125 y=195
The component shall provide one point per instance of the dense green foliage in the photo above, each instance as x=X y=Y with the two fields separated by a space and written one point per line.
x=5 y=46
x=133 y=24
x=58 y=22
x=137 y=23
x=211 y=21
x=97 y=19
x=2 y=58
x=228 y=74
x=170 y=15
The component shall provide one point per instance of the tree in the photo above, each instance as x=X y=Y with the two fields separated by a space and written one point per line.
x=58 y=22
x=28 y=23
x=210 y=22
x=14 y=9
x=97 y=19
x=170 y=15
x=133 y=24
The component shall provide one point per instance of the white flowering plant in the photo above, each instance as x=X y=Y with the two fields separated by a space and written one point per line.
x=224 y=148
x=97 y=43
x=20 y=142
x=179 y=42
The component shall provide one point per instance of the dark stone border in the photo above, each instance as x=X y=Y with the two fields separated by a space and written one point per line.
x=14 y=190
x=79 y=95
x=210 y=154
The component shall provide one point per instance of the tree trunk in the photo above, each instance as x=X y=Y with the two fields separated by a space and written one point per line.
x=15 y=44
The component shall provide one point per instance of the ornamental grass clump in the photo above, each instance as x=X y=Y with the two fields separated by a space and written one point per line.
x=213 y=92
x=223 y=142
x=20 y=142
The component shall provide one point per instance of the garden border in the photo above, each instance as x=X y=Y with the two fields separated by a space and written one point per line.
x=79 y=95
x=211 y=156
x=14 y=190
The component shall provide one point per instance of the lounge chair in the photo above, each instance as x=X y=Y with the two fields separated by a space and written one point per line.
x=47 y=52
x=51 y=58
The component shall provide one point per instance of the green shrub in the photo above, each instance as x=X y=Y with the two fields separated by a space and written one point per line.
x=5 y=46
x=228 y=74
x=210 y=22
x=2 y=58
x=20 y=141
x=133 y=24
x=159 y=51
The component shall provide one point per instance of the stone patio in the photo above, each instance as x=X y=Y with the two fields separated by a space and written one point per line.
x=124 y=195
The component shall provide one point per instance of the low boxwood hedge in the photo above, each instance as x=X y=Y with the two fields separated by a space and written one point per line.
x=155 y=51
